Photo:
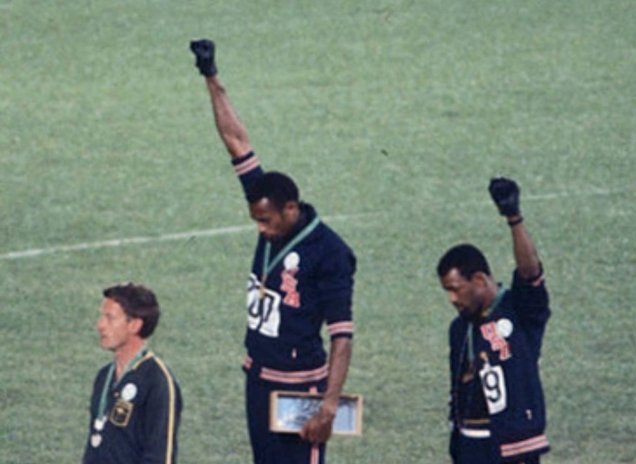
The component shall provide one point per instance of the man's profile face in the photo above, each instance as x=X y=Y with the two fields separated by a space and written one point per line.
x=114 y=326
x=274 y=223
x=466 y=295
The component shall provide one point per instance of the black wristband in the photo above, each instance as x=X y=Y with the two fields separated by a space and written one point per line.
x=515 y=222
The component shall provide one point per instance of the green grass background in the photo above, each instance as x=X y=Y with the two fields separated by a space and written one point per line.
x=392 y=116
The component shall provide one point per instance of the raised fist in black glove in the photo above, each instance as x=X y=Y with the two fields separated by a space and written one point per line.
x=204 y=51
x=505 y=194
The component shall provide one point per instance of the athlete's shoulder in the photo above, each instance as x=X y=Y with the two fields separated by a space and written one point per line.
x=328 y=236
x=457 y=327
x=332 y=251
x=102 y=372
x=324 y=244
x=332 y=239
x=154 y=368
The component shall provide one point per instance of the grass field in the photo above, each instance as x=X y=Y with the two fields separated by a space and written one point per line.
x=392 y=116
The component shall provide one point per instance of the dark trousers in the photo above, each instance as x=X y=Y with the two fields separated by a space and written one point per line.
x=271 y=447
x=482 y=451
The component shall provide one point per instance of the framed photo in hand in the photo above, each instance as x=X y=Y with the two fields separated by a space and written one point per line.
x=289 y=411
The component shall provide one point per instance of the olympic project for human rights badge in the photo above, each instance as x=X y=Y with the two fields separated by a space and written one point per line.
x=129 y=392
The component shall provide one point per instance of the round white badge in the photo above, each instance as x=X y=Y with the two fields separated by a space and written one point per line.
x=292 y=260
x=129 y=392
x=504 y=327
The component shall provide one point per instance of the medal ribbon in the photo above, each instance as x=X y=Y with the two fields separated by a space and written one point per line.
x=469 y=335
x=101 y=410
x=268 y=266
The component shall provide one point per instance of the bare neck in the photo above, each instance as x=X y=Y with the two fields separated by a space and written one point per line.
x=490 y=295
x=127 y=353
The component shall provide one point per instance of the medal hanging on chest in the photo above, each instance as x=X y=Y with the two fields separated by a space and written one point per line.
x=469 y=373
x=96 y=440
x=261 y=291
x=99 y=423
x=100 y=420
x=268 y=266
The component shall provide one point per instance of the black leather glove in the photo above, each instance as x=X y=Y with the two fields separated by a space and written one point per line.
x=204 y=51
x=505 y=194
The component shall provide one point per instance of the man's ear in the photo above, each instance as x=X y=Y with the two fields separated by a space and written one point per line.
x=291 y=207
x=480 y=278
x=136 y=324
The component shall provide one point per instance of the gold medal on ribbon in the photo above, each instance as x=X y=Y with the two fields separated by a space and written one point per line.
x=469 y=373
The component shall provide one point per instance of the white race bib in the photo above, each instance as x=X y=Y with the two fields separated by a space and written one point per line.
x=263 y=314
x=493 y=383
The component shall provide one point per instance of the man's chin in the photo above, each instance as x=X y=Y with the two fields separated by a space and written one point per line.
x=105 y=345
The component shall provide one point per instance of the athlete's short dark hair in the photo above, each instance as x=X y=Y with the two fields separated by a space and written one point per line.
x=137 y=301
x=466 y=258
x=277 y=187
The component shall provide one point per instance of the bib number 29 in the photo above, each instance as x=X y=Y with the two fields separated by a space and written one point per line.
x=493 y=383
